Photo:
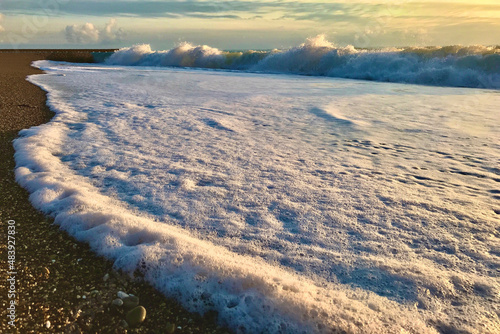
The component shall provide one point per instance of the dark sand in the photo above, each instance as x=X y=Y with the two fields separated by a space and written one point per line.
x=59 y=280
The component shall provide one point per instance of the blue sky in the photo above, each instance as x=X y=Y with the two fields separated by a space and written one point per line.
x=242 y=24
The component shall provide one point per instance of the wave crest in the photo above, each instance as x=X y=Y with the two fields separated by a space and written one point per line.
x=456 y=66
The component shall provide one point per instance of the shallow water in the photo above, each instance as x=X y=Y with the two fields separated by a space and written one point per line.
x=286 y=203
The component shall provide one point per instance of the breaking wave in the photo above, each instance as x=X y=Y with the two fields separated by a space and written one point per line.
x=455 y=66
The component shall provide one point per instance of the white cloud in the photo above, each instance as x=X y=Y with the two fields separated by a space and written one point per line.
x=1 y=18
x=84 y=34
x=111 y=32
x=90 y=34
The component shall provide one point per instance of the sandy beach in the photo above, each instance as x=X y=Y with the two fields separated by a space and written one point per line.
x=60 y=285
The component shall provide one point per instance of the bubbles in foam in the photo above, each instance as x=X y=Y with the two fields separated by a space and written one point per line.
x=297 y=206
x=184 y=55
x=131 y=56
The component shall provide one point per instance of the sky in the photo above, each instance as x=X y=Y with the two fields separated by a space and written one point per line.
x=246 y=24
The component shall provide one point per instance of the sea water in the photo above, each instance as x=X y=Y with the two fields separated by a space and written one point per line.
x=285 y=203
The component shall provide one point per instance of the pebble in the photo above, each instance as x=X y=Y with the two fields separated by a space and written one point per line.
x=121 y=294
x=105 y=278
x=117 y=302
x=170 y=328
x=130 y=302
x=47 y=324
x=136 y=316
x=123 y=323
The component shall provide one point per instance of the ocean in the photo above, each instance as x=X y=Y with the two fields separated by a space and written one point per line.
x=311 y=190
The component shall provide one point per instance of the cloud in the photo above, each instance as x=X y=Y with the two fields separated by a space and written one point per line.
x=111 y=32
x=317 y=10
x=84 y=34
x=300 y=10
x=143 y=8
x=1 y=18
x=89 y=34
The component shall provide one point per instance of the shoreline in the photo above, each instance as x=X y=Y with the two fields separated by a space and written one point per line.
x=61 y=285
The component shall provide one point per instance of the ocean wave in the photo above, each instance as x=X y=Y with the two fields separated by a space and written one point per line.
x=455 y=66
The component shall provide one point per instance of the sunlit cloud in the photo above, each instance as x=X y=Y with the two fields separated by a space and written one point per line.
x=1 y=18
x=146 y=9
x=364 y=23
x=88 y=33
x=300 y=10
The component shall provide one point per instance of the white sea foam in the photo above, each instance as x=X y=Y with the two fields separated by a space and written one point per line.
x=287 y=204
x=456 y=66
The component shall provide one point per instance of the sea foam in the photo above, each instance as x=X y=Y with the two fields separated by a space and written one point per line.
x=287 y=204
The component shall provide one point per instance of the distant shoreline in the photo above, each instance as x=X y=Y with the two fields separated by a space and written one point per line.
x=53 y=50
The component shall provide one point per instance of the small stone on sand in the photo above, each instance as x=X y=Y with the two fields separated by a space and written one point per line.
x=121 y=294
x=117 y=302
x=170 y=328
x=130 y=302
x=136 y=316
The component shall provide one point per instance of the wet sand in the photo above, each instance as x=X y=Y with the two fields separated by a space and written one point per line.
x=61 y=285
